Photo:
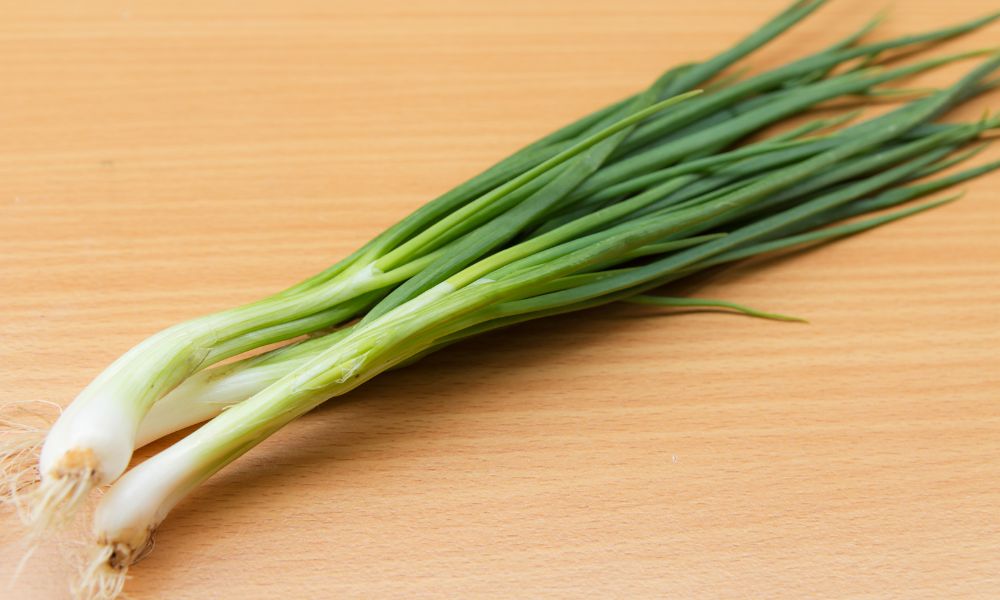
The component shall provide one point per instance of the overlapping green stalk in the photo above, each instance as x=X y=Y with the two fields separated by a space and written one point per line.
x=91 y=443
x=651 y=189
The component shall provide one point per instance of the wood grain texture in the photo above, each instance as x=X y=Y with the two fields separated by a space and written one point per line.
x=159 y=160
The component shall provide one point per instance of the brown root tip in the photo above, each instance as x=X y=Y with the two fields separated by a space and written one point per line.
x=105 y=569
x=101 y=578
x=62 y=492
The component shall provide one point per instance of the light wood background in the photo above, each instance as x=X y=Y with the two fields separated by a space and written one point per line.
x=159 y=160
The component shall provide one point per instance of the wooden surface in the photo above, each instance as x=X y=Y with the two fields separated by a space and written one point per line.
x=159 y=160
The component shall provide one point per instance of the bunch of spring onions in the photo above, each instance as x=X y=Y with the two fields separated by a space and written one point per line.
x=651 y=189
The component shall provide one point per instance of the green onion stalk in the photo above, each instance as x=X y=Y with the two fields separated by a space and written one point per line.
x=92 y=441
x=618 y=150
x=620 y=250
x=650 y=189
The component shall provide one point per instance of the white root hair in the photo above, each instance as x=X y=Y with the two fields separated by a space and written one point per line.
x=23 y=426
x=105 y=569
x=102 y=576
x=61 y=493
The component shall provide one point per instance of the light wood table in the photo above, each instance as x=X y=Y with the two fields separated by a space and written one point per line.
x=159 y=160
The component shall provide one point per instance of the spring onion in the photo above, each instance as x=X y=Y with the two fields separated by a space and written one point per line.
x=91 y=443
x=646 y=191
x=586 y=262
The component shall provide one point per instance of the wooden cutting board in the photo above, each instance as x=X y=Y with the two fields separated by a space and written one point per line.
x=159 y=160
